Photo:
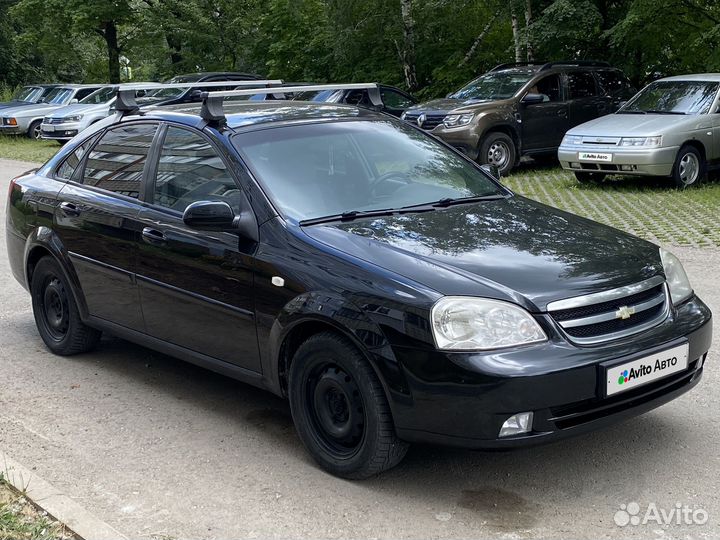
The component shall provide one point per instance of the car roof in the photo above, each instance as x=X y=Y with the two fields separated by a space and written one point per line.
x=201 y=76
x=708 y=77
x=247 y=114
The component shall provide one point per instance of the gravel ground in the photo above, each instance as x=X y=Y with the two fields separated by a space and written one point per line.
x=159 y=448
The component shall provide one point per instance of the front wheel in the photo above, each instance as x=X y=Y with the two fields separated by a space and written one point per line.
x=498 y=149
x=340 y=409
x=689 y=168
x=56 y=314
x=585 y=177
x=35 y=130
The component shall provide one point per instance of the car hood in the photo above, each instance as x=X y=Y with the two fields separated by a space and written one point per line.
x=639 y=125
x=12 y=104
x=37 y=109
x=513 y=249
x=78 y=108
x=445 y=105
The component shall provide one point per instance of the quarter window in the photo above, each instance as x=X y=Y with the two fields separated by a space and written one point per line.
x=394 y=100
x=117 y=161
x=581 y=84
x=191 y=170
x=67 y=169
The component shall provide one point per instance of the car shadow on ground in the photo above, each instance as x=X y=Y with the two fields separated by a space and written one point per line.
x=505 y=489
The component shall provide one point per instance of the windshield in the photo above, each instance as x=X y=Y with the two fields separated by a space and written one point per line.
x=103 y=95
x=494 y=85
x=673 y=97
x=58 y=96
x=31 y=94
x=318 y=170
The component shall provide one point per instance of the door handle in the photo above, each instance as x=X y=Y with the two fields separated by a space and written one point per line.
x=562 y=112
x=69 y=209
x=153 y=235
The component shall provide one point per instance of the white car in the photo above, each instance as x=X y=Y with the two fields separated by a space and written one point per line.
x=63 y=124
x=670 y=128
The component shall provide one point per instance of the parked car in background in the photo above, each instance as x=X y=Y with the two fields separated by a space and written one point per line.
x=176 y=96
x=670 y=128
x=383 y=283
x=66 y=122
x=522 y=109
x=28 y=95
x=395 y=101
x=26 y=120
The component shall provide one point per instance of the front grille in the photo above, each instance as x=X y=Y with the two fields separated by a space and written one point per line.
x=431 y=120
x=53 y=120
x=612 y=314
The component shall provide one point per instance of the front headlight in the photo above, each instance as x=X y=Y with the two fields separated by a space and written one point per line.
x=455 y=120
x=74 y=118
x=468 y=323
x=572 y=140
x=641 y=141
x=677 y=280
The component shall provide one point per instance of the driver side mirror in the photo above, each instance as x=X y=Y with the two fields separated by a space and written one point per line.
x=74 y=101
x=219 y=216
x=530 y=99
x=491 y=170
x=195 y=95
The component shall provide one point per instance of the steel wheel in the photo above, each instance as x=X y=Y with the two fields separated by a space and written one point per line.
x=689 y=169
x=55 y=313
x=498 y=154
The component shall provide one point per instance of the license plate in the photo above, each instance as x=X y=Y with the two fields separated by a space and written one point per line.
x=594 y=156
x=647 y=369
x=46 y=127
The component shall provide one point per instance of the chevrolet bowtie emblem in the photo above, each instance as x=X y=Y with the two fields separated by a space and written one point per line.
x=624 y=312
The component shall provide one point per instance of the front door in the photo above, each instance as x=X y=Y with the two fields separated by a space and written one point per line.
x=196 y=286
x=544 y=124
x=97 y=222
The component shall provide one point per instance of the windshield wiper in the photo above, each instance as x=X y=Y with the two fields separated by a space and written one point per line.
x=634 y=111
x=452 y=201
x=350 y=215
x=651 y=111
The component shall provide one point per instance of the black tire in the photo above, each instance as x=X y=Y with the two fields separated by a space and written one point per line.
x=56 y=314
x=33 y=131
x=498 y=149
x=340 y=409
x=690 y=168
x=585 y=177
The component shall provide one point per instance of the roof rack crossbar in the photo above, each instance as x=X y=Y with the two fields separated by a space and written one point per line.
x=126 y=93
x=212 y=109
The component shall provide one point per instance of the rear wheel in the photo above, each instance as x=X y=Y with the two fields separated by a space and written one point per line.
x=689 y=168
x=340 y=410
x=498 y=149
x=585 y=177
x=34 y=131
x=56 y=314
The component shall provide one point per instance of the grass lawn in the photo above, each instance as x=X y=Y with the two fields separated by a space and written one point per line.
x=648 y=207
x=24 y=149
x=20 y=520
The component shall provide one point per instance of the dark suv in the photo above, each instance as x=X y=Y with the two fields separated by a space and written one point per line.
x=337 y=256
x=522 y=109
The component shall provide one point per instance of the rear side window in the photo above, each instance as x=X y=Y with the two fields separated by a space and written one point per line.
x=66 y=170
x=117 y=161
x=612 y=82
x=190 y=170
x=581 y=84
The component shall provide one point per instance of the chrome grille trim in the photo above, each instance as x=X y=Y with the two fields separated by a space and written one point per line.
x=610 y=315
x=605 y=296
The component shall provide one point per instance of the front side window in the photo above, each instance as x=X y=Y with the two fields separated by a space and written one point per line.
x=191 y=170
x=581 y=84
x=117 y=161
x=318 y=170
x=394 y=100
x=673 y=97
x=548 y=88
x=494 y=85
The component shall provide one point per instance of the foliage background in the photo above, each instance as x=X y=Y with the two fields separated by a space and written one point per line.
x=342 y=40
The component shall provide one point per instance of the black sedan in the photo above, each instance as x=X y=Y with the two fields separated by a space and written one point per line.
x=386 y=285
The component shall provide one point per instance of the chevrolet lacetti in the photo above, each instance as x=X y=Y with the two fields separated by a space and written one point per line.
x=385 y=284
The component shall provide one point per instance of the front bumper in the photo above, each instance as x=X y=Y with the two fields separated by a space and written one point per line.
x=11 y=130
x=462 y=399
x=59 y=132
x=463 y=138
x=625 y=160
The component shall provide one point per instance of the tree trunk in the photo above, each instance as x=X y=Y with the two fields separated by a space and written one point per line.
x=111 y=39
x=407 y=55
x=528 y=37
x=516 y=35
x=175 y=46
x=479 y=39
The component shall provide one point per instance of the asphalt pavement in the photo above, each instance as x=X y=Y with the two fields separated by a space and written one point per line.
x=158 y=448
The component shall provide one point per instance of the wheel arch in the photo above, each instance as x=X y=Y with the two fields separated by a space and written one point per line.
x=697 y=144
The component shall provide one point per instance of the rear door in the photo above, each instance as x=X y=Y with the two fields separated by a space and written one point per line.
x=544 y=124
x=97 y=222
x=584 y=98
x=196 y=286
x=614 y=88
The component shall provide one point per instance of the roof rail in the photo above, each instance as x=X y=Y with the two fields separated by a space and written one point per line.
x=212 y=108
x=583 y=63
x=509 y=65
x=126 y=103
